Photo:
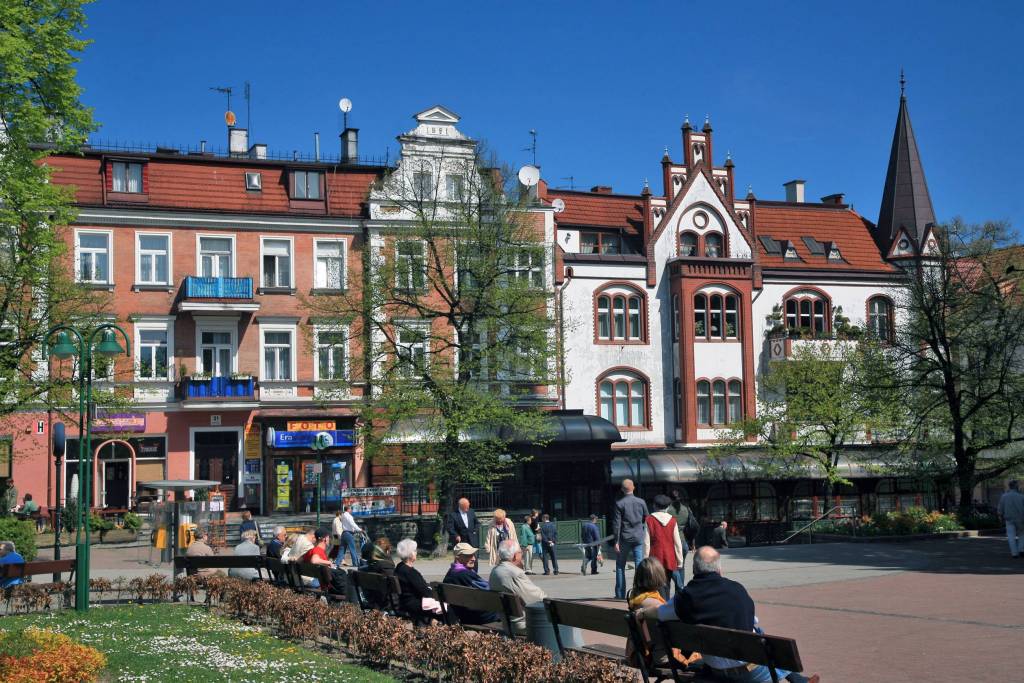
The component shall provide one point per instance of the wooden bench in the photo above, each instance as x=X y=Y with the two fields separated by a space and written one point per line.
x=773 y=652
x=374 y=584
x=506 y=605
x=276 y=571
x=322 y=574
x=29 y=569
x=192 y=565
x=607 y=620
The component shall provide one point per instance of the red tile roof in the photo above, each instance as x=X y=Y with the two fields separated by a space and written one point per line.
x=591 y=209
x=850 y=232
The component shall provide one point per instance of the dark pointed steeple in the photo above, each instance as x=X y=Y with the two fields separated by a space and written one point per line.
x=906 y=203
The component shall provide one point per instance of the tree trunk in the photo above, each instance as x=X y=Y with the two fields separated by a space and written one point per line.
x=965 y=482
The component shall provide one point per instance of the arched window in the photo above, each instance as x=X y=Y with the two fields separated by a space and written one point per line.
x=719 y=402
x=713 y=245
x=622 y=399
x=688 y=244
x=620 y=315
x=808 y=310
x=716 y=316
x=880 y=318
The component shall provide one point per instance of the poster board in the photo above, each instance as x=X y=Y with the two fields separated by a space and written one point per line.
x=375 y=501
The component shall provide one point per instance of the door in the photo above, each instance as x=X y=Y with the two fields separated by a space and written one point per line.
x=215 y=256
x=216 y=351
x=116 y=484
x=282 y=491
x=217 y=460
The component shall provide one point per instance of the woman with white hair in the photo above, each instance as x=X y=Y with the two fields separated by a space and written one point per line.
x=417 y=598
x=501 y=530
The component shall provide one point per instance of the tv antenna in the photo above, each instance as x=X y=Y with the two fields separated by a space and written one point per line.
x=345 y=105
x=533 y=145
x=572 y=181
x=248 y=108
x=229 y=116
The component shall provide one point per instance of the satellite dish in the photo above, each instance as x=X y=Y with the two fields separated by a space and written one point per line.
x=345 y=105
x=529 y=175
x=229 y=118
x=558 y=205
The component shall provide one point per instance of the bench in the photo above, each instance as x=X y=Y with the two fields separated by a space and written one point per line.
x=506 y=605
x=28 y=569
x=192 y=565
x=322 y=574
x=376 y=584
x=276 y=570
x=607 y=620
x=771 y=651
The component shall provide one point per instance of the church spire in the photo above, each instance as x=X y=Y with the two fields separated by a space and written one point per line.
x=906 y=203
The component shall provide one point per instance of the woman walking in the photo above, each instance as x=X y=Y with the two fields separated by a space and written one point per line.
x=501 y=530
x=527 y=539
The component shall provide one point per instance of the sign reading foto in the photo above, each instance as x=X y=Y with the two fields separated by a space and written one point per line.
x=311 y=426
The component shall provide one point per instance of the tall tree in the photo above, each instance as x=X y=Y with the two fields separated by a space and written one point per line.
x=960 y=357
x=40 y=113
x=450 y=324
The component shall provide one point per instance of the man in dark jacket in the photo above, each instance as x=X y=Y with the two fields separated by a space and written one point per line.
x=463 y=573
x=720 y=536
x=710 y=599
x=462 y=525
x=688 y=526
x=628 y=529
x=548 y=542
x=590 y=537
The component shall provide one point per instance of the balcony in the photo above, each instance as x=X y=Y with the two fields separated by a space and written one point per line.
x=217 y=389
x=201 y=294
x=787 y=343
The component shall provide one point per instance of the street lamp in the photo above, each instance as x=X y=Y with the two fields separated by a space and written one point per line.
x=64 y=349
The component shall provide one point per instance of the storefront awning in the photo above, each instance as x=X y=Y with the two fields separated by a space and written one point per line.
x=680 y=467
x=565 y=427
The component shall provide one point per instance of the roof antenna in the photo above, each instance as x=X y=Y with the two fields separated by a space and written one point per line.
x=226 y=90
x=572 y=181
x=533 y=145
x=903 y=83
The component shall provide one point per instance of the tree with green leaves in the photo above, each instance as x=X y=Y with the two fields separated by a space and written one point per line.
x=959 y=358
x=40 y=114
x=450 y=324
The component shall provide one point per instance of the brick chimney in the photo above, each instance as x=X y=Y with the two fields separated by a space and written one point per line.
x=836 y=198
x=601 y=189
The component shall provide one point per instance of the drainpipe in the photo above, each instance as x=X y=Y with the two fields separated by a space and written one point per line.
x=561 y=334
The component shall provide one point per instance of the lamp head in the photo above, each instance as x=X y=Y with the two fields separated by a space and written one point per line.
x=109 y=346
x=63 y=349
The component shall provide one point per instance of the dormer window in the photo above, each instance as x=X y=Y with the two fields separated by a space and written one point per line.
x=791 y=252
x=127 y=177
x=306 y=184
x=833 y=253
x=253 y=181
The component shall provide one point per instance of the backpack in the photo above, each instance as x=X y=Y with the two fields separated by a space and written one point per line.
x=687 y=523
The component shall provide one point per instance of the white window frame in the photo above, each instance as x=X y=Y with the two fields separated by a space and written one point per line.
x=293 y=355
x=234 y=253
x=159 y=323
x=344 y=261
x=139 y=234
x=407 y=286
x=291 y=262
x=319 y=185
x=450 y=181
x=216 y=324
x=413 y=324
x=109 y=234
x=532 y=269
x=317 y=330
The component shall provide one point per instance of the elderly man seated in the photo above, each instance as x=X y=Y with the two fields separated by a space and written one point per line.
x=200 y=548
x=510 y=577
x=247 y=547
x=463 y=573
x=8 y=555
x=710 y=599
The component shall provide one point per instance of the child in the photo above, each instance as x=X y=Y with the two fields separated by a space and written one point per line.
x=648 y=581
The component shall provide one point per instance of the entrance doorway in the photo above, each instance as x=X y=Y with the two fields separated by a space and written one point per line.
x=114 y=473
x=216 y=459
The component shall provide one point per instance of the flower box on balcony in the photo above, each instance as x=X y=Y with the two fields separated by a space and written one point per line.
x=218 y=387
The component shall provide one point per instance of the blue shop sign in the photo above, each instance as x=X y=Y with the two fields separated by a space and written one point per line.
x=341 y=438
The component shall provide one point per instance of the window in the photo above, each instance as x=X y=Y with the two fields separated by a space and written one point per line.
x=675 y=317
x=127 y=177
x=412 y=347
x=455 y=186
x=253 y=181
x=216 y=352
x=621 y=315
x=807 y=311
x=277 y=355
x=306 y=184
x=719 y=402
x=423 y=184
x=330 y=354
x=622 y=400
x=688 y=244
x=529 y=268
x=410 y=266
x=880 y=318
x=154 y=259
x=277 y=263
x=715 y=316
x=94 y=257
x=677 y=402
x=216 y=256
x=153 y=354
x=713 y=245
x=330 y=264
x=600 y=243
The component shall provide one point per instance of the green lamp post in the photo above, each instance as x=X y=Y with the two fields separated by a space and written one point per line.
x=83 y=347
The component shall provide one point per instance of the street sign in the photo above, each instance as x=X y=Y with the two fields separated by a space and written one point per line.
x=338 y=438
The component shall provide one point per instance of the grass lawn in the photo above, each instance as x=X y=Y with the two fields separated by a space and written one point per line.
x=179 y=643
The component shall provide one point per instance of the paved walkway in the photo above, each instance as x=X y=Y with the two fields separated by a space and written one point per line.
x=933 y=611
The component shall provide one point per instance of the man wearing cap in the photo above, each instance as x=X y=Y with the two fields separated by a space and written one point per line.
x=463 y=573
x=318 y=555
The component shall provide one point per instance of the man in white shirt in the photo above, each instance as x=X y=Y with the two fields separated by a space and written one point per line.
x=345 y=528
x=1011 y=511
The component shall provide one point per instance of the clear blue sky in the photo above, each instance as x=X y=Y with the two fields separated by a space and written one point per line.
x=795 y=89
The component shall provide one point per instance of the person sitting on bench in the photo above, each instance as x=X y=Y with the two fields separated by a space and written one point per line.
x=199 y=548
x=318 y=555
x=463 y=573
x=377 y=560
x=8 y=555
x=710 y=599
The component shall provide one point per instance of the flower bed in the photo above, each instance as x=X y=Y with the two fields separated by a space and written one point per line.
x=913 y=521
x=37 y=656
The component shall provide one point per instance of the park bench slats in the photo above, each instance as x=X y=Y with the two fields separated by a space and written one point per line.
x=605 y=620
x=506 y=605
x=22 y=570
x=771 y=651
x=379 y=584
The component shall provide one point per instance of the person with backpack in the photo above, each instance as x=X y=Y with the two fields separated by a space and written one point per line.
x=688 y=526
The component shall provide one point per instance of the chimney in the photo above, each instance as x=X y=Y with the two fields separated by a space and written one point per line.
x=795 y=191
x=238 y=142
x=258 y=151
x=836 y=198
x=350 y=146
x=601 y=189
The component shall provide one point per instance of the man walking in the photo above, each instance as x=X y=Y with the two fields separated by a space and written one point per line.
x=1011 y=511
x=462 y=525
x=688 y=526
x=549 y=541
x=628 y=529
x=345 y=528
x=590 y=536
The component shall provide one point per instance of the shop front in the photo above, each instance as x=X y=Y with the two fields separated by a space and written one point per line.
x=306 y=459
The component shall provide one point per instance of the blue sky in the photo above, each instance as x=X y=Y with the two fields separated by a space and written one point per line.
x=794 y=89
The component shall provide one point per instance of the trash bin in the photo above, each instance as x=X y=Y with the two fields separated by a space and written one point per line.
x=540 y=632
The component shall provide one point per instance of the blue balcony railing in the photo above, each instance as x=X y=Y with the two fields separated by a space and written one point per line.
x=218 y=287
x=218 y=387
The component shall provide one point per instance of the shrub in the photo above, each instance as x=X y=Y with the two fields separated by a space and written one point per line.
x=980 y=520
x=23 y=533
x=34 y=655
x=132 y=521
x=914 y=520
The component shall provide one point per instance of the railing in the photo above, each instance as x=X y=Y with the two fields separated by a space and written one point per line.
x=218 y=287
x=807 y=527
x=218 y=387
